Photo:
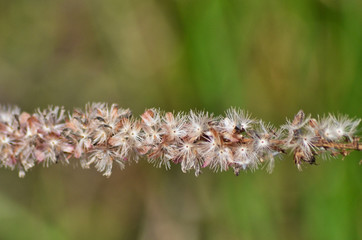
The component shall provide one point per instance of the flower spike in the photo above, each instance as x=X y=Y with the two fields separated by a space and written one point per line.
x=103 y=136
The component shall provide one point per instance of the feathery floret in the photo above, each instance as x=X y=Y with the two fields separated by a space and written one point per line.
x=104 y=136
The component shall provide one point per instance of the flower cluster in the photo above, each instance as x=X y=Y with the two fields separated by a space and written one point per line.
x=309 y=137
x=104 y=136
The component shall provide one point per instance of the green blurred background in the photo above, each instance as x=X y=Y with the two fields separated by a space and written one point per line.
x=269 y=57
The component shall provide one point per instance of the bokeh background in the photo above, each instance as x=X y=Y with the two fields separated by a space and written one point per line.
x=269 y=57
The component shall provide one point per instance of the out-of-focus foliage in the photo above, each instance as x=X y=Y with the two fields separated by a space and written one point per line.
x=269 y=57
